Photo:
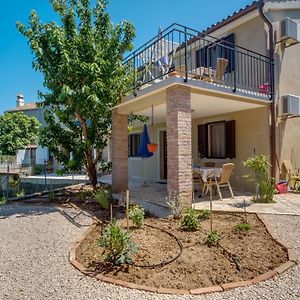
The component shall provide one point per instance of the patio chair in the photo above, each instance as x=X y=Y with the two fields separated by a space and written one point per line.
x=292 y=174
x=218 y=75
x=223 y=180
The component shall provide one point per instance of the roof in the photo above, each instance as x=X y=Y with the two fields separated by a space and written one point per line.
x=239 y=13
x=27 y=106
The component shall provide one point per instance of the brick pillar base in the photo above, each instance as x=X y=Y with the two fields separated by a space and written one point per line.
x=179 y=143
x=119 y=145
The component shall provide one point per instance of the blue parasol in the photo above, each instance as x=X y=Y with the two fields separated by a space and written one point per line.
x=143 y=150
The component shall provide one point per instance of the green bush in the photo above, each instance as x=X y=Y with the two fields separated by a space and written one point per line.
x=204 y=214
x=212 y=239
x=2 y=200
x=137 y=215
x=189 y=221
x=243 y=227
x=103 y=196
x=38 y=169
x=117 y=244
x=266 y=184
x=20 y=193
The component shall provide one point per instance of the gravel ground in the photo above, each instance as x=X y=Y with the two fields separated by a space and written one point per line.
x=34 y=246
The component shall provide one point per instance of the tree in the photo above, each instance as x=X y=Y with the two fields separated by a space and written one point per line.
x=17 y=131
x=82 y=64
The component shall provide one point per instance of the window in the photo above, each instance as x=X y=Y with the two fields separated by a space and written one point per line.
x=207 y=56
x=134 y=144
x=217 y=140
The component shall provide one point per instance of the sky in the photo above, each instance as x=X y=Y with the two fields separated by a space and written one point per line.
x=17 y=75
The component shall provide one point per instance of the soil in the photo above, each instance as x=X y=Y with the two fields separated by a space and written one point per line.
x=198 y=265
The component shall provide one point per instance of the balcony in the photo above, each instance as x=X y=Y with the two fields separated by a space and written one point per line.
x=200 y=59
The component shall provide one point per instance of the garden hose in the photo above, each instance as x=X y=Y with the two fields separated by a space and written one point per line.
x=166 y=262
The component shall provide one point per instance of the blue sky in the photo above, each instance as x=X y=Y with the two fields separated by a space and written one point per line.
x=17 y=75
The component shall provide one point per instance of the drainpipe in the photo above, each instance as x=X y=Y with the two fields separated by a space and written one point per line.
x=261 y=5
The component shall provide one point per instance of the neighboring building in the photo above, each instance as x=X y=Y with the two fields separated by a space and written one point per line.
x=33 y=154
x=203 y=113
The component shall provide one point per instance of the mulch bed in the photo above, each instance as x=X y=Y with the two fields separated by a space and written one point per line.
x=198 y=265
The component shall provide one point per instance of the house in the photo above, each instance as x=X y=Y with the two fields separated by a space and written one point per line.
x=33 y=154
x=219 y=95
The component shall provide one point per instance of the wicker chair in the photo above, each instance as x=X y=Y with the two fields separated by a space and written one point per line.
x=292 y=174
x=223 y=180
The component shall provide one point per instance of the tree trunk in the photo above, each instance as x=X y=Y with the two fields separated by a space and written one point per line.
x=91 y=168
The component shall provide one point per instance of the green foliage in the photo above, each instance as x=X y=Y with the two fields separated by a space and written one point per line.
x=204 y=214
x=212 y=239
x=243 y=227
x=103 y=196
x=38 y=169
x=117 y=244
x=13 y=180
x=20 y=193
x=2 y=200
x=7 y=158
x=172 y=202
x=17 y=131
x=266 y=184
x=189 y=221
x=81 y=59
x=105 y=167
x=137 y=215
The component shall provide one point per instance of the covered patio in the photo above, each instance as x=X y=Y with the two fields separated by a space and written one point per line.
x=179 y=108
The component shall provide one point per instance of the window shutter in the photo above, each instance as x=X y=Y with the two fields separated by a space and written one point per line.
x=202 y=140
x=230 y=138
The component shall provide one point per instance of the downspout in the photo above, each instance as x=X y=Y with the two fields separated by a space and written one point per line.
x=261 y=5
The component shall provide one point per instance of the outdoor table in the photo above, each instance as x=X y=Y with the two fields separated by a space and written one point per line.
x=205 y=173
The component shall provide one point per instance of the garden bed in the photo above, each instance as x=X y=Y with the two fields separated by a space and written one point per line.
x=198 y=265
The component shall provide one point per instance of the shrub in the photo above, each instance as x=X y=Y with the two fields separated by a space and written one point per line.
x=172 y=202
x=20 y=193
x=212 y=239
x=103 y=196
x=204 y=214
x=117 y=244
x=243 y=227
x=266 y=184
x=137 y=215
x=2 y=200
x=189 y=221
x=38 y=169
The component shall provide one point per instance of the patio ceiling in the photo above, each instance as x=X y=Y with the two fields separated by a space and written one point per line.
x=204 y=103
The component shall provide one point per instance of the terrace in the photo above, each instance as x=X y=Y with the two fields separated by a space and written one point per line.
x=200 y=59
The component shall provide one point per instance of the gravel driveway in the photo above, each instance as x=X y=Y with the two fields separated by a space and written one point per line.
x=34 y=246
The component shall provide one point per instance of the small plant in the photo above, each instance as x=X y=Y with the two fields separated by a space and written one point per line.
x=103 y=196
x=117 y=244
x=266 y=184
x=137 y=215
x=38 y=169
x=189 y=221
x=204 y=214
x=2 y=200
x=13 y=180
x=20 y=193
x=172 y=202
x=243 y=227
x=212 y=239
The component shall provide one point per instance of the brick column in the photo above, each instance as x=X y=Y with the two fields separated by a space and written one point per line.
x=119 y=145
x=179 y=143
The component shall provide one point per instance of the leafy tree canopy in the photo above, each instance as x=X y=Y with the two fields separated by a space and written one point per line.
x=82 y=63
x=17 y=131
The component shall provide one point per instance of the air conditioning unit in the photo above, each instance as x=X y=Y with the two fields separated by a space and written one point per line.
x=290 y=105
x=289 y=32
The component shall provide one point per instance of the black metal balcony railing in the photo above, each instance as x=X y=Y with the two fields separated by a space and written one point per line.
x=196 y=56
